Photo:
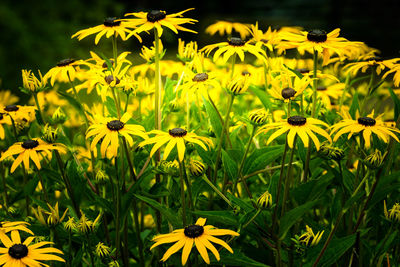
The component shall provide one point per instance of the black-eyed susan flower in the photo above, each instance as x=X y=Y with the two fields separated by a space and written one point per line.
x=198 y=235
x=234 y=46
x=30 y=149
x=226 y=27
x=198 y=83
x=110 y=129
x=380 y=65
x=4 y=120
x=258 y=117
x=71 y=225
x=367 y=125
x=265 y=200
x=65 y=70
x=317 y=40
x=186 y=52
x=175 y=137
x=148 y=54
x=18 y=253
x=31 y=83
x=297 y=125
x=102 y=250
x=238 y=84
x=7 y=226
x=330 y=93
x=17 y=112
x=268 y=39
x=375 y=159
x=309 y=238
x=53 y=215
x=110 y=27
x=146 y=21
x=286 y=87
x=394 y=213
x=85 y=225
x=330 y=152
x=196 y=167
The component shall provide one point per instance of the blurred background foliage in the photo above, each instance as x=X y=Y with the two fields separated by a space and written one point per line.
x=36 y=34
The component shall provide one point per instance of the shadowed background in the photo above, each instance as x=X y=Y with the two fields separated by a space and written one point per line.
x=36 y=34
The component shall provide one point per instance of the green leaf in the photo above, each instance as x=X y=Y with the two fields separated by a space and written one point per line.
x=110 y=105
x=30 y=187
x=222 y=217
x=165 y=211
x=262 y=96
x=238 y=258
x=334 y=251
x=244 y=205
x=215 y=120
x=396 y=102
x=292 y=216
x=230 y=166
x=261 y=158
x=355 y=106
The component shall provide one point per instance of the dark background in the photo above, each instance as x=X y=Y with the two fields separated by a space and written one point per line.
x=36 y=34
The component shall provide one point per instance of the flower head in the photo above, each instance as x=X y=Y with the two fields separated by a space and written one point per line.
x=102 y=250
x=367 y=125
x=110 y=27
x=258 y=117
x=309 y=238
x=65 y=70
x=187 y=52
x=31 y=83
x=394 y=212
x=238 y=85
x=226 y=27
x=53 y=215
x=175 y=137
x=146 y=21
x=297 y=125
x=265 y=200
x=18 y=253
x=199 y=235
x=196 y=167
x=29 y=150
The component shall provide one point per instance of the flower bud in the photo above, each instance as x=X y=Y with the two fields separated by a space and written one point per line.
x=330 y=152
x=49 y=134
x=239 y=85
x=258 y=117
x=59 y=116
x=196 y=167
x=264 y=201
x=375 y=159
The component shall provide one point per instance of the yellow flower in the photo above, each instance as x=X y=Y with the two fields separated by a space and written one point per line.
x=84 y=225
x=394 y=212
x=328 y=94
x=309 y=238
x=375 y=159
x=226 y=27
x=198 y=235
x=258 y=117
x=102 y=250
x=269 y=39
x=380 y=65
x=71 y=225
x=6 y=98
x=64 y=71
x=146 y=21
x=18 y=113
x=110 y=129
x=29 y=150
x=239 y=84
x=110 y=27
x=196 y=167
x=3 y=120
x=297 y=125
x=49 y=134
x=18 y=253
x=234 y=46
x=286 y=87
x=148 y=54
x=53 y=215
x=31 y=83
x=11 y=226
x=186 y=52
x=175 y=137
x=198 y=83
x=265 y=200
x=317 y=40
x=367 y=125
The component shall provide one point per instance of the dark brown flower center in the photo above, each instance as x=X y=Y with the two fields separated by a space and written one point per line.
x=264 y=40
x=297 y=120
x=29 y=144
x=200 y=77
x=11 y=108
x=115 y=125
x=236 y=41
x=1 y=116
x=366 y=121
x=193 y=231
x=105 y=66
x=321 y=88
x=110 y=22
x=288 y=92
x=156 y=15
x=110 y=78
x=18 y=251
x=317 y=36
x=303 y=70
x=65 y=62
x=177 y=132
x=246 y=72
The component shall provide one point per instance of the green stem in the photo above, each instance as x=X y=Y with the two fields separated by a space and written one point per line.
x=89 y=250
x=221 y=138
x=46 y=197
x=315 y=84
x=67 y=183
x=242 y=164
x=127 y=102
x=115 y=49
x=26 y=197
x=38 y=106
x=278 y=193
x=118 y=210
x=183 y=199
x=252 y=218
x=217 y=191
x=346 y=88
x=3 y=179
x=137 y=232
x=189 y=188
x=79 y=100
x=288 y=177
x=117 y=105
x=371 y=82
x=265 y=170
x=128 y=157
x=157 y=79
